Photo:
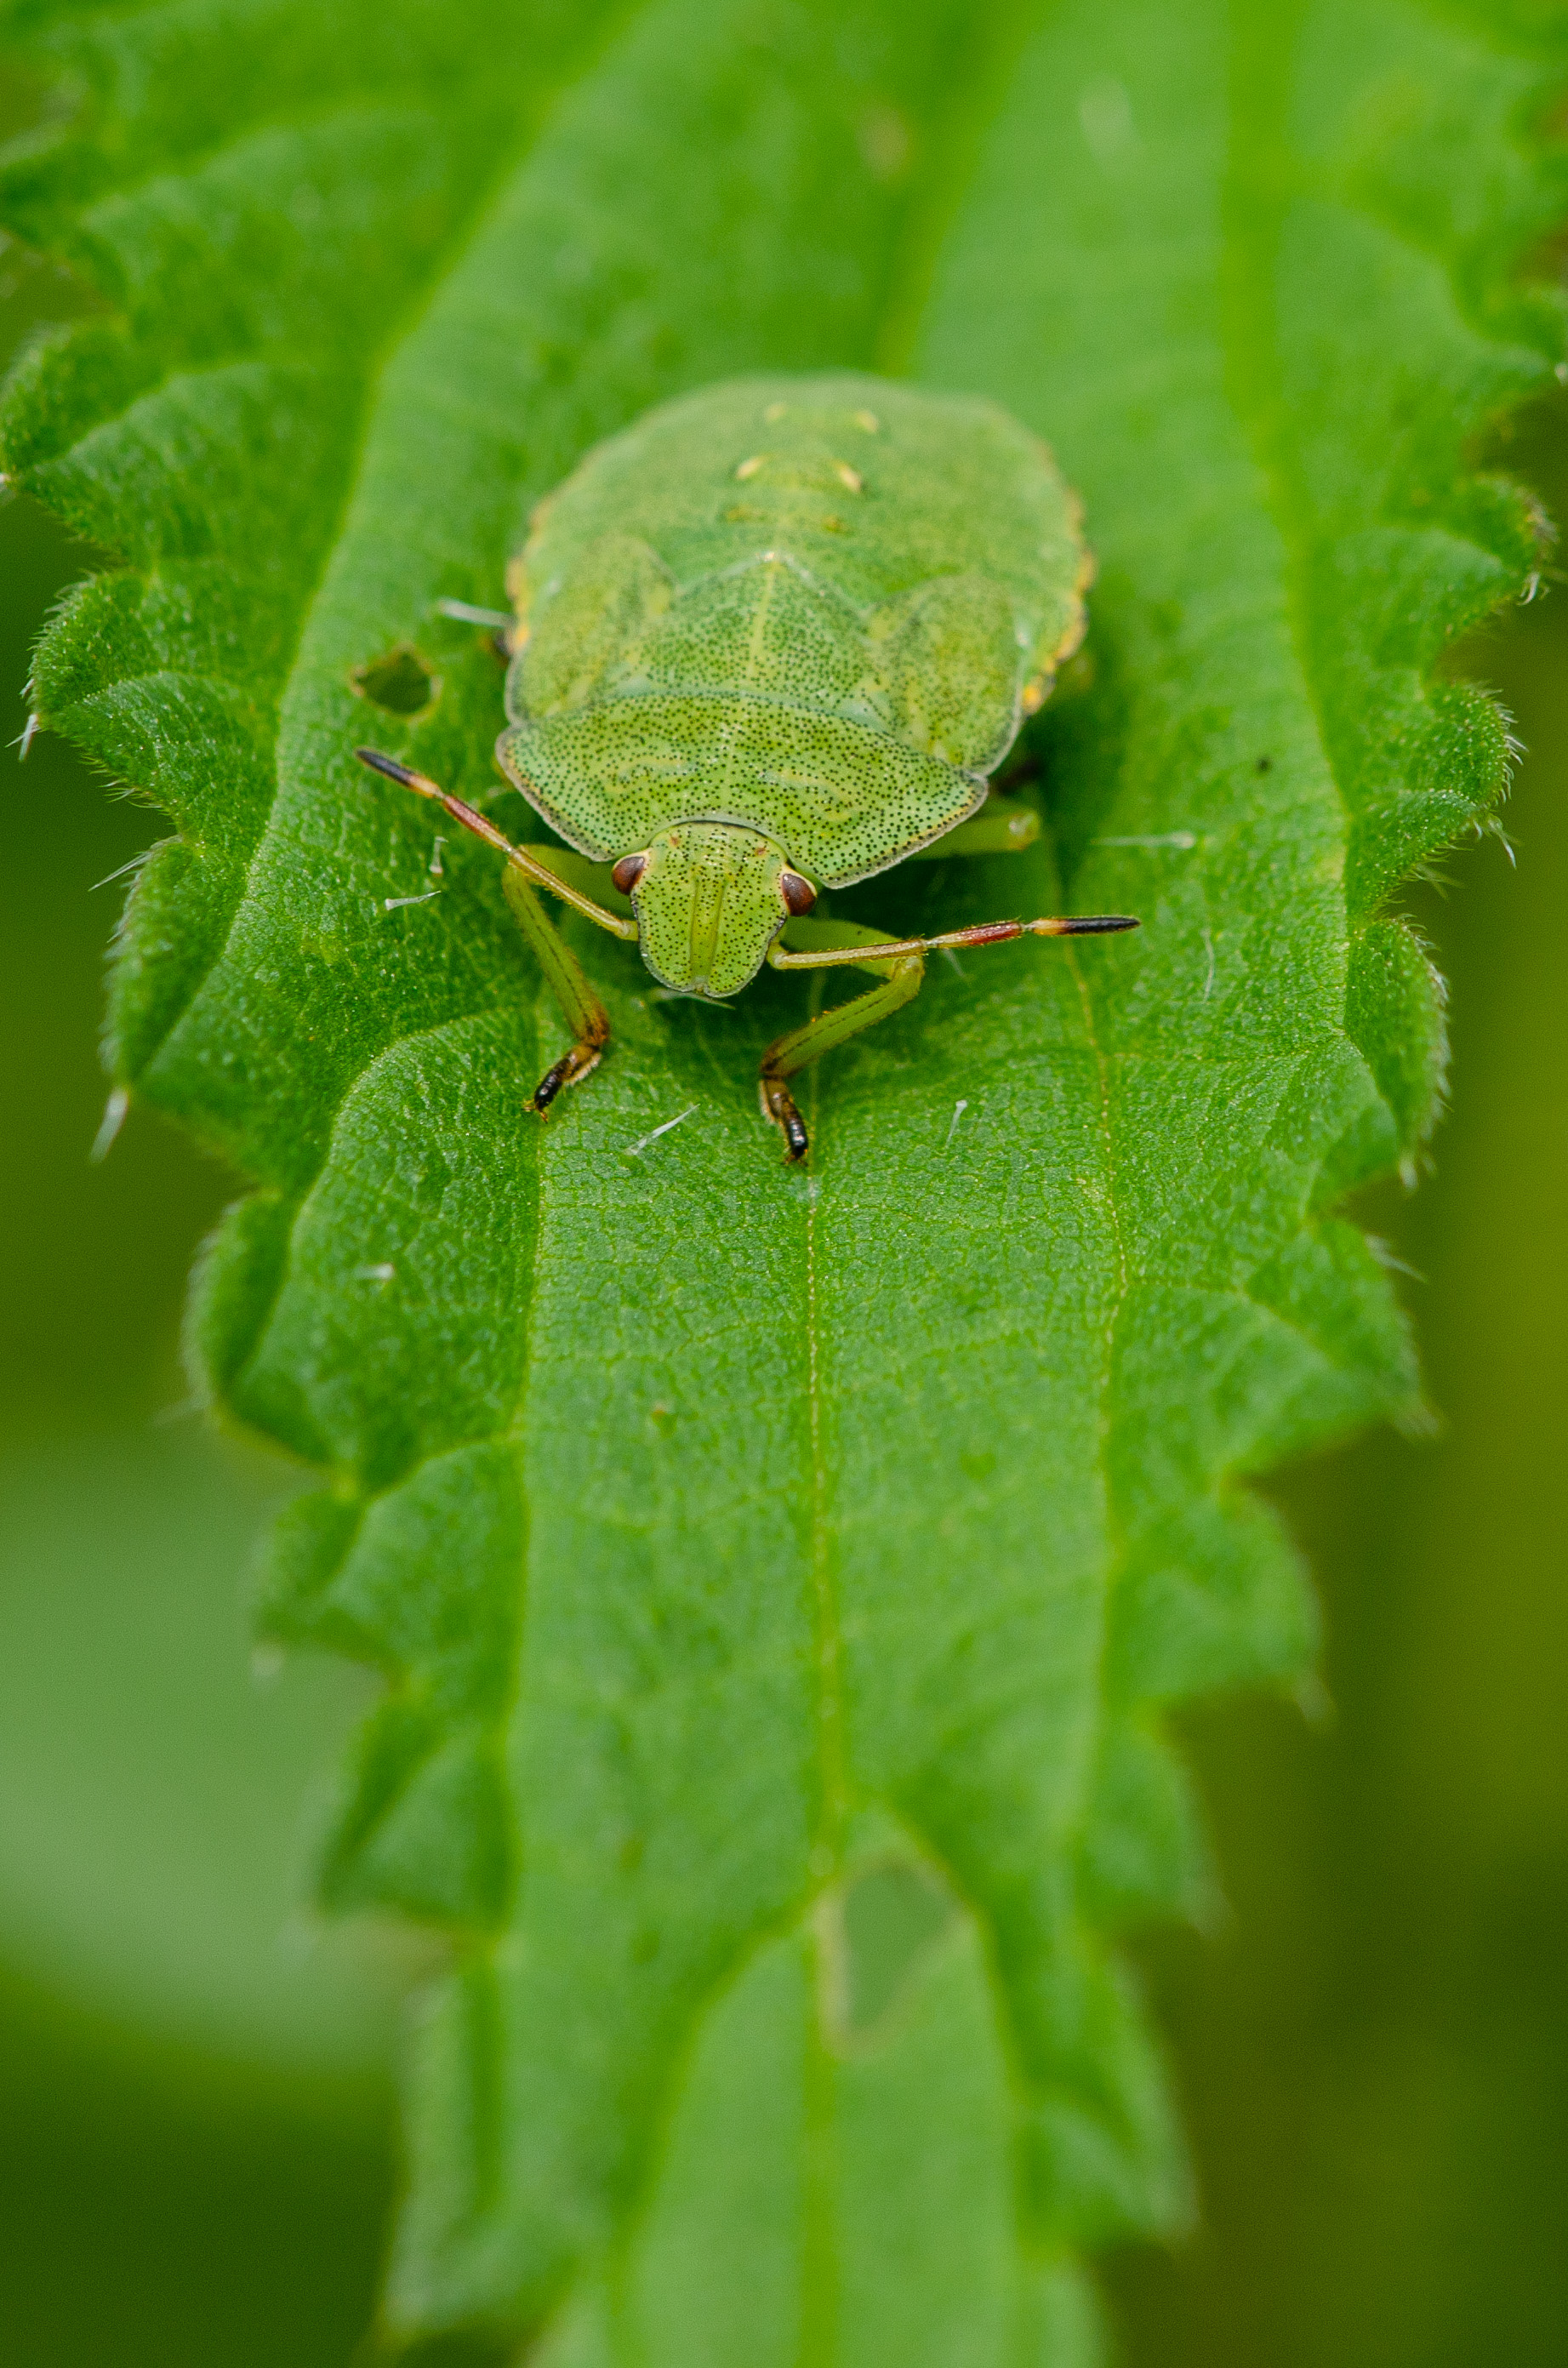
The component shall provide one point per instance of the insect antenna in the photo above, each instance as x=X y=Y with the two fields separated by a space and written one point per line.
x=539 y=873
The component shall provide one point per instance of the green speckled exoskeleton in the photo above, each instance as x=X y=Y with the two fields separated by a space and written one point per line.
x=775 y=637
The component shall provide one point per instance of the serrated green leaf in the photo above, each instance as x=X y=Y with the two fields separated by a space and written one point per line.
x=779 y=1580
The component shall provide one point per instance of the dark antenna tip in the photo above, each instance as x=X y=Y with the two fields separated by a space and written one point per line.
x=387 y=764
x=1097 y=925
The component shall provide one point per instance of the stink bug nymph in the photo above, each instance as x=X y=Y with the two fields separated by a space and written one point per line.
x=775 y=637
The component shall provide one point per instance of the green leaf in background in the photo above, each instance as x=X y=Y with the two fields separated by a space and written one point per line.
x=779 y=1580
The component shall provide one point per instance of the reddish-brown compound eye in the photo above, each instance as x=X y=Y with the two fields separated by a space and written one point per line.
x=628 y=873
x=797 y=894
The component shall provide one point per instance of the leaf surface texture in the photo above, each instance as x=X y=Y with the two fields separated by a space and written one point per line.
x=781 y=1579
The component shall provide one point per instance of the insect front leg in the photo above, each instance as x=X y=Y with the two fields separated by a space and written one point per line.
x=530 y=868
x=808 y=945
x=900 y=974
x=585 y=1014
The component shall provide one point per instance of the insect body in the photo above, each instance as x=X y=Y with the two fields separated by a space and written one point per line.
x=774 y=638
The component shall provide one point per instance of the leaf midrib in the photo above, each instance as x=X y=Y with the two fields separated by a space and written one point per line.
x=820 y=2267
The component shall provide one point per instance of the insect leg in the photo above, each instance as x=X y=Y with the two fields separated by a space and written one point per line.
x=585 y=1014
x=900 y=971
x=1003 y=826
x=523 y=857
x=818 y=945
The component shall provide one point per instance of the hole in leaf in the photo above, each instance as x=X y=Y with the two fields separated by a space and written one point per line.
x=401 y=682
x=881 y=1928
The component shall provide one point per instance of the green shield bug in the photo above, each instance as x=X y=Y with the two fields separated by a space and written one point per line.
x=773 y=638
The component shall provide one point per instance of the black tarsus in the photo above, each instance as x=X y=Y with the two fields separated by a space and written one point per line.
x=779 y=1105
x=549 y=1085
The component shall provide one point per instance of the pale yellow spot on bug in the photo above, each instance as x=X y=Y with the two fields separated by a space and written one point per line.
x=866 y=419
x=1033 y=696
x=848 y=476
x=749 y=468
x=775 y=411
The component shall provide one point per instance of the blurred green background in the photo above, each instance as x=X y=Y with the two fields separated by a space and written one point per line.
x=197 y=2144
x=197 y=2148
